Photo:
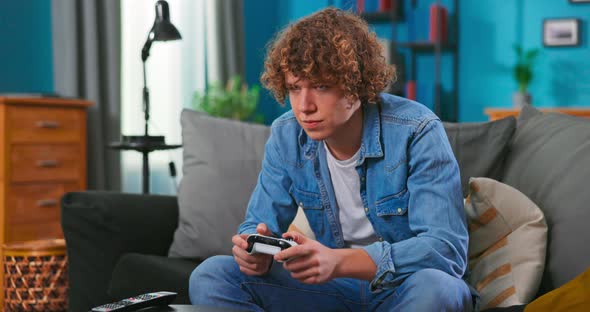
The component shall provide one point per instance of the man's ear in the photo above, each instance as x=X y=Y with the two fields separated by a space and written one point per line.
x=352 y=104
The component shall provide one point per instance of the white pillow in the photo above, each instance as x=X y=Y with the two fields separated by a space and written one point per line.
x=507 y=243
x=221 y=162
x=301 y=224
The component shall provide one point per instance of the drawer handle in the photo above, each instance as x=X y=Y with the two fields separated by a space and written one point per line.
x=48 y=124
x=46 y=202
x=47 y=163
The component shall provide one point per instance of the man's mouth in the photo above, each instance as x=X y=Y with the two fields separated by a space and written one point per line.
x=311 y=123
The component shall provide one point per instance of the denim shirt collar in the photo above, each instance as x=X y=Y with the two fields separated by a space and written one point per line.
x=370 y=142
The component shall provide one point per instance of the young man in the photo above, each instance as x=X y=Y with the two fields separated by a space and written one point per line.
x=374 y=174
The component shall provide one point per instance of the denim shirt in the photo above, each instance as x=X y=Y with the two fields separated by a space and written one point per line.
x=409 y=185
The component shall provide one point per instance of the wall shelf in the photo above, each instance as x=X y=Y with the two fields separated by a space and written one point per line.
x=426 y=45
x=378 y=17
x=444 y=105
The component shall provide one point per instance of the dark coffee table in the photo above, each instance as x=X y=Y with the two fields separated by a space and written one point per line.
x=185 y=308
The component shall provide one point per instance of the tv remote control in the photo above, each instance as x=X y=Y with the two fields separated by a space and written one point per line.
x=160 y=298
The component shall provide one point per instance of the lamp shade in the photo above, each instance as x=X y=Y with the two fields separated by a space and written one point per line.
x=163 y=30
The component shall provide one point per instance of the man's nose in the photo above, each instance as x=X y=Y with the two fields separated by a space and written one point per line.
x=307 y=102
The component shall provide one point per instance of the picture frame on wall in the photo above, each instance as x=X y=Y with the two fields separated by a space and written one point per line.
x=561 y=32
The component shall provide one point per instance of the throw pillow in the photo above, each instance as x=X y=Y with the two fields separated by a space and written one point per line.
x=480 y=148
x=549 y=161
x=573 y=296
x=301 y=224
x=507 y=243
x=222 y=159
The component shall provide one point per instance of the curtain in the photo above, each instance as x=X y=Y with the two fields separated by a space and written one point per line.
x=225 y=40
x=86 y=63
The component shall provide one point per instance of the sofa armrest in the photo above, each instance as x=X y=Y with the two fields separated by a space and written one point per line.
x=99 y=227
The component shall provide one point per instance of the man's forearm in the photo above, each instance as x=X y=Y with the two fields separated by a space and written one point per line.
x=355 y=263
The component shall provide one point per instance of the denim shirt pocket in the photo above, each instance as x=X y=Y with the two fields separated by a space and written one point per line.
x=392 y=214
x=306 y=199
x=311 y=203
x=393 y=205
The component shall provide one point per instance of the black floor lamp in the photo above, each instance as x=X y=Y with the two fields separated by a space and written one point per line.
x=162 y=30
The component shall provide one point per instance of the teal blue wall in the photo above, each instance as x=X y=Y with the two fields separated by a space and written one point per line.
x=488 y=29
x=26 y=57
x=262 y=19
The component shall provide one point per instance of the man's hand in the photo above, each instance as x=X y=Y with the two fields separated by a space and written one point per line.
x=257 y=264
x=309 y=262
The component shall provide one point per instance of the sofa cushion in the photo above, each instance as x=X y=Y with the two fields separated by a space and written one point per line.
x=138 y=273
x=507 y=243
x=549 y=161
x=222 y=159
x=480 y=147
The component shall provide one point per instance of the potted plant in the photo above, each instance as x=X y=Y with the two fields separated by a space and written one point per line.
x=523 y=73
x=234 y=101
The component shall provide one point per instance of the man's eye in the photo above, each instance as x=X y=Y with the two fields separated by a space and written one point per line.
x=322 y=87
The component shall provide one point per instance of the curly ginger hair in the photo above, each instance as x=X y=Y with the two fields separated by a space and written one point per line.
x=329 y=46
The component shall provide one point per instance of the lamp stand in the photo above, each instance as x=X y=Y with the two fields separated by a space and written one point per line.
x=146 y=101
x=145 y=143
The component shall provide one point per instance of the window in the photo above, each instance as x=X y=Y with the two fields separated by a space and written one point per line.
x=175 y=69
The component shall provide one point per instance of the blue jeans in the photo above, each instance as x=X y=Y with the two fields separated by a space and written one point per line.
x=218 y=282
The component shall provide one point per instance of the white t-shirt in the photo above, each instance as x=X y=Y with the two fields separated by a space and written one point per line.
x=356 y=227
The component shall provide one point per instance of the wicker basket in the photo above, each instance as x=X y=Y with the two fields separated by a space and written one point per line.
x=35 y=276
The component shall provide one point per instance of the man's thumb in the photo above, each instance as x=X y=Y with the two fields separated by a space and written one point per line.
x=296 y=236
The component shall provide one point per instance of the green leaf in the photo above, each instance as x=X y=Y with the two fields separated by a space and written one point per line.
x=235 y=100
x=523 y=68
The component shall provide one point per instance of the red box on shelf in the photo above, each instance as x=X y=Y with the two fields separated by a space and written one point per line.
x=384 y=5
x=411 y=90
x=438 y=23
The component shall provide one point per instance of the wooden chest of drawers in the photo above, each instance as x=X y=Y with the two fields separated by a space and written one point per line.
x=42 y=156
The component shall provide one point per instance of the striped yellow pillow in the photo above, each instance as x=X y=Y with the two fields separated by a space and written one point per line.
x=507 y=243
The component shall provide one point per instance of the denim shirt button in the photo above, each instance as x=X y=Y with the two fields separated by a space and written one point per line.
x=366 y=209
x=399 y=210
x=301 y=204
x=380 y=239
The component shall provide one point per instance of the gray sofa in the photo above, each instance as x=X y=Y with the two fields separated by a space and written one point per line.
x=118 y=244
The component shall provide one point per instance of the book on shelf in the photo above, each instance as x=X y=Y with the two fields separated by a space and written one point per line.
x=384 y=5
x=438 y=23
x=410 y=90
x=428 y=24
